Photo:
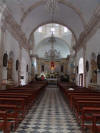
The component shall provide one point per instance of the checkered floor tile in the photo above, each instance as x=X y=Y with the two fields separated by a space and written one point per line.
x=50 y=114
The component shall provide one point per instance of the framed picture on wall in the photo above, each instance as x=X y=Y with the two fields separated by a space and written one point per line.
x=98 y=61
x=27 y=68
x=17 y=65
x=5 y=59
x=77 y=69
x=22 y=77
x=87 y=66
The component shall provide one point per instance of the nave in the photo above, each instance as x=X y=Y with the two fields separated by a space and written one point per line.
x=49 y=114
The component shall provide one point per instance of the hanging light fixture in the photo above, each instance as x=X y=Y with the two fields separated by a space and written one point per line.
x=52 y=54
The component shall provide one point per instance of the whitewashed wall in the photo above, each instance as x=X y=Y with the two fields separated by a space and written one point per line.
x=10 y=44
x=79 y=55
x=25 y=60
x=93 y=45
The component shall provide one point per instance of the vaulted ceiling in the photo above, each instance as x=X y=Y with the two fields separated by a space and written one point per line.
x=74 y=14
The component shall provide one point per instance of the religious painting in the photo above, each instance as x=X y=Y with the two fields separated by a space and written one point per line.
x=27 y=68
x=93 y=69
x=10 y=69
x=98 y=61
x=17 y=65
x=52 y=65
x=87 y=66
x=77 y=69
x=5 y=59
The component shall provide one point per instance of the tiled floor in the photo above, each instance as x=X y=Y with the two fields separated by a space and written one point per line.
x=50 y=114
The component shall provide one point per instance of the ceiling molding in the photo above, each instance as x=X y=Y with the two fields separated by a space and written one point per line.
x=48 y=22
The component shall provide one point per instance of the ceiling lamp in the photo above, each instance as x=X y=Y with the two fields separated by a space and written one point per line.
x=52 y=54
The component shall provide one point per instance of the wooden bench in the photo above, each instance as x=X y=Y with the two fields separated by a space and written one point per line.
x=96 y=123
x=87 y=117
x=85 y=98
x=12 y=114
x=16 y=101
x=5 y=126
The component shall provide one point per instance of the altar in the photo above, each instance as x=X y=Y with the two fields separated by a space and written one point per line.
x=52 y=81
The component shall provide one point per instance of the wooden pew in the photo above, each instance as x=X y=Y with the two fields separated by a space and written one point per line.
x=25 y=96
x=19 y=102
x=12 y=113
x=5 y=126
x=85 y=98
x=72 y=95
x=88 y=119
x=96 y=123
x=85 y=102
x=81 y=103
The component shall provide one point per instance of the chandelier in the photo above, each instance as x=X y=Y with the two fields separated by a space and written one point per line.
x=52 y=54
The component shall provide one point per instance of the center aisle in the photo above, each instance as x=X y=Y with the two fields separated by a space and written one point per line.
x=50 y=114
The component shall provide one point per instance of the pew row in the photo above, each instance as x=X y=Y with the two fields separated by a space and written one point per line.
x=15 y=104
x=83 y=102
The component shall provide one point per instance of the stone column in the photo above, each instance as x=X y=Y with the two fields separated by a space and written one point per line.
x=2 y=34
x=84 y=61
x=19 y=68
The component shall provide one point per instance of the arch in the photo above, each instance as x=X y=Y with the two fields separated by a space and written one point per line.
x=48 y=22
x=66 y=3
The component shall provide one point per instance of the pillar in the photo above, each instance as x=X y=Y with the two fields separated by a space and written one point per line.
x=19 y=68
x=2 y=34
x=84 y=61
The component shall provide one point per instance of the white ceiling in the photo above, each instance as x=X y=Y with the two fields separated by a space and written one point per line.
x=74 y=14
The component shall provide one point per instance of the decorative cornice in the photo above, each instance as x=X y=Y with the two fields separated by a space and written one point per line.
x=90 y=29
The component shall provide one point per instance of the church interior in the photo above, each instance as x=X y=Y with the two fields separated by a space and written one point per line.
x=49 y=66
